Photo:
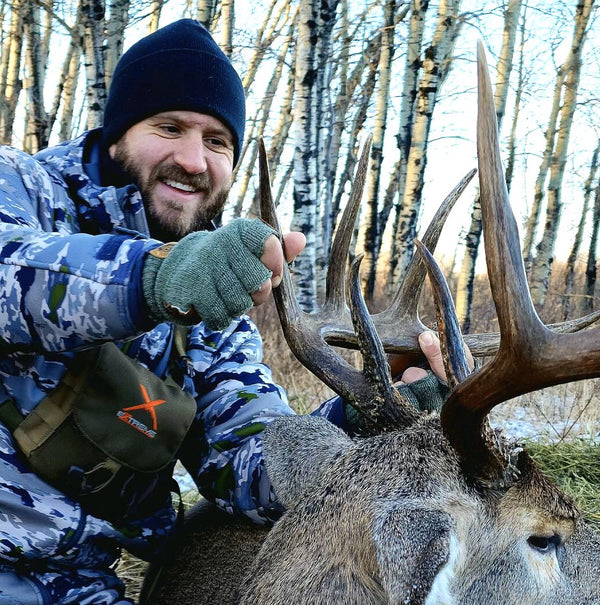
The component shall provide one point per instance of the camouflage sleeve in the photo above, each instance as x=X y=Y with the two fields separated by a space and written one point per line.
x=61 y=288
x=236 y=398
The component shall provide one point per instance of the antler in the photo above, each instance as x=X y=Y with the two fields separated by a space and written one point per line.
x=312 y=336
x=530 y=356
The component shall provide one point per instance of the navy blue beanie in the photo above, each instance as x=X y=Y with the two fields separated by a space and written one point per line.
x=178 y=67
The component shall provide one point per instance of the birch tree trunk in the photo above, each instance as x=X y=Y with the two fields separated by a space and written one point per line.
x=542 y=264
x=466 y=275
x=261 y=121
x=93 y=20
x=10 y=81
x=155 y=12
x=36 y=128
x=227 y=24
x=115 y=33
x=570 y=266
x=540 y=182
x=66 y=91
x=326 y=66
x=512 y=139
x=305 y=160
x=435 y=63
x=395 y=189
x=590 y=271
x=361 y=95
x=206 y=12
x=368 y=236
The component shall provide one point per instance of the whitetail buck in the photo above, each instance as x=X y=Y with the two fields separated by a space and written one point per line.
x=428 y=509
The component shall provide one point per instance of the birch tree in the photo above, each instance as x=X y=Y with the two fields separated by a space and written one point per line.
x=466 y=276
x=542 y=263
x=206 y=12
x=92 y=14
x=395 y=188
x=577 y=242
x=435 y=65
x=305 y=160
x=369 y=233
x=591 y=270
x=115 y=32
x=37 y=126
x=10 y=78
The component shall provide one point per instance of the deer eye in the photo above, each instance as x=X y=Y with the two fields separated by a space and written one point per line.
x=544 y=544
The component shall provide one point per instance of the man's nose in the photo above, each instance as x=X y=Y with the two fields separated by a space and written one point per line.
x=190 y=154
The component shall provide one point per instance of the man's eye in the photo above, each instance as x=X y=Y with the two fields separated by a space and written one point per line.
x=169 y=129
x=215 y=142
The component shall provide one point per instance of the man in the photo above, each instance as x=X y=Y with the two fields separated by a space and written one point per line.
x=108 y=238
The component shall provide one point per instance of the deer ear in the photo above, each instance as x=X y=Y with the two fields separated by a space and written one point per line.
x=412 y=544
x=297 y=449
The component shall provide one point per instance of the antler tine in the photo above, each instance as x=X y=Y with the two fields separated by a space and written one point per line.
x=406 y=298
x=454 y=354
x=530 y=355
x=382 y=405
x=335 y=292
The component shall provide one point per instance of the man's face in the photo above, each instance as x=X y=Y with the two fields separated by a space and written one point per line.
x=182 y=163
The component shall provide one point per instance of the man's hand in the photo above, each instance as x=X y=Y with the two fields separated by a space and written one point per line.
x=430 y=346
x=273 y=258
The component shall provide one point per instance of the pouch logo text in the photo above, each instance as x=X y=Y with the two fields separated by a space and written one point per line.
x=148 y=405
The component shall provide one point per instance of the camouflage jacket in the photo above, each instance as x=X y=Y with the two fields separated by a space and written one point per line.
x=71 y=253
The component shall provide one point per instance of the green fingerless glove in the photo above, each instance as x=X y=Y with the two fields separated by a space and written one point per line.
x=426 y=394
x=207 y=276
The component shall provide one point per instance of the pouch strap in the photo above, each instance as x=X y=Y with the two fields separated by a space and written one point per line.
x=10 y=416
x=180 y=334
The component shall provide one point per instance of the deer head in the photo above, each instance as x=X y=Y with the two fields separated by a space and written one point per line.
x=428 y=509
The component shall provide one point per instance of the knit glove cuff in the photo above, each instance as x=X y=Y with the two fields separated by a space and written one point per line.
x=208 y=275
x=426 y=394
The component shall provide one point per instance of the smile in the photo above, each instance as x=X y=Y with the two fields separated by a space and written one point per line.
x=180 y=186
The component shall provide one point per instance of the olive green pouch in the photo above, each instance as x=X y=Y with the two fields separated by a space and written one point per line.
x=110 y=422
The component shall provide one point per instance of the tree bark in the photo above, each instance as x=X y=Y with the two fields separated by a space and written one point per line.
x=305 y=160
x=590 y=271
x=115 y=32
x=368 y=235
x=36 y=129
x=227 y=25
x=466 y=275
x=395 y=189
x=93 y=20
x=572 y=259
x=10 y=80
x=206 y=12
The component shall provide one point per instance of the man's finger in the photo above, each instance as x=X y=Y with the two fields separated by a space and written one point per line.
x=272 y=257
x=430 y=345
x=262 y=295
x=294 y=243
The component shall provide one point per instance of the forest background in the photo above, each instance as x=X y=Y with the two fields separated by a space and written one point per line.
x=319 y=76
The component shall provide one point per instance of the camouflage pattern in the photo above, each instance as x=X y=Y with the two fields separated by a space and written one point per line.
x=71 y=254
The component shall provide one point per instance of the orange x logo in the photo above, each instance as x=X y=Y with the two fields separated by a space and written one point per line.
x=148 y=405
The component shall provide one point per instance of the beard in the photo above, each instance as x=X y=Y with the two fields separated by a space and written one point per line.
x=169 y=222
